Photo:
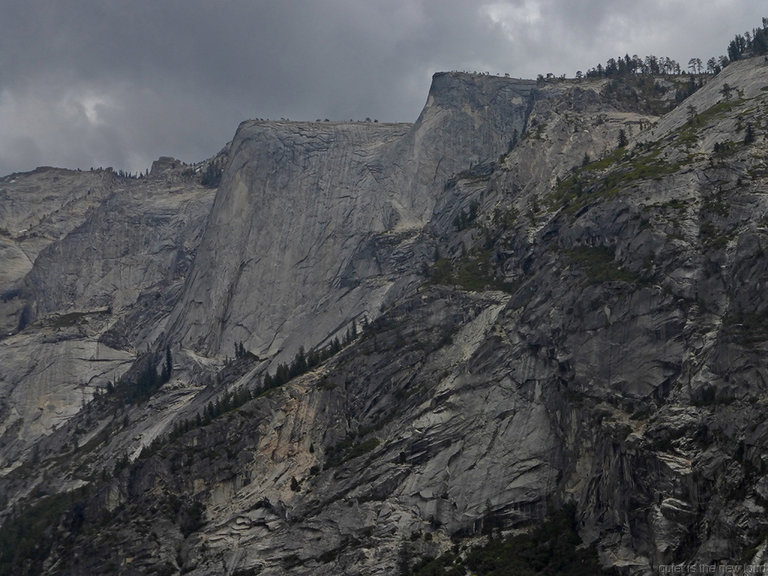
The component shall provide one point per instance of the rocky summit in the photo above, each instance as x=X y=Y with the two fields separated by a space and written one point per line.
x=533 y=322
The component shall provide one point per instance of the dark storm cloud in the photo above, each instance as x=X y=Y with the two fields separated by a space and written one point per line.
x=86 y=83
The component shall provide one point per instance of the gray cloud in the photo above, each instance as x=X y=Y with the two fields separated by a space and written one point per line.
x=86 y=83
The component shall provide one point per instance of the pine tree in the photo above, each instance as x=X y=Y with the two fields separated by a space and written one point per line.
x=313 y=359
x=750 y=135
x=212 y=175
x=623 y=141
x=282 y=374
x=168 y=367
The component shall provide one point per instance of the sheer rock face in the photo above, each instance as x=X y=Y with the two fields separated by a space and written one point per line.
x=98 y=291
x=37 y=209
x=141 y=239
x=544 y=327
x=314 y=224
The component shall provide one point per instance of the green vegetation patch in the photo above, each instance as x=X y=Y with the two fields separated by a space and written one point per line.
x=675 y=204
x=472 y=272
x=605 y=178
x=717 y=111
x=712 y=237
x=646 y=166
x=629 y=89
x=725 y=149
x=477 y=173
x=599 y=264
x=607 y=161
x=348 y=449
x=26 y=539
x=464 y=218
x=140 y=385
x=552 y=548
x=67 y=320
x=506 y=218
x=748 y=328
x=716 y=204
x=211 y=177
x=689 y=132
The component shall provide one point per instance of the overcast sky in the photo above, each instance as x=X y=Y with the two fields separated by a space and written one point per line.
x=118 y=83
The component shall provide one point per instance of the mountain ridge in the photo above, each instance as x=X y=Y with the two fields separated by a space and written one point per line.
x=541 y=316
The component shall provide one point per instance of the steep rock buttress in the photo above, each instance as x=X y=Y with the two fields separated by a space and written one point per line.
x=313 y=225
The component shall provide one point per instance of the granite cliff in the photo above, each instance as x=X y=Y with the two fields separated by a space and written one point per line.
x=480 y=317
x=317 y=224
